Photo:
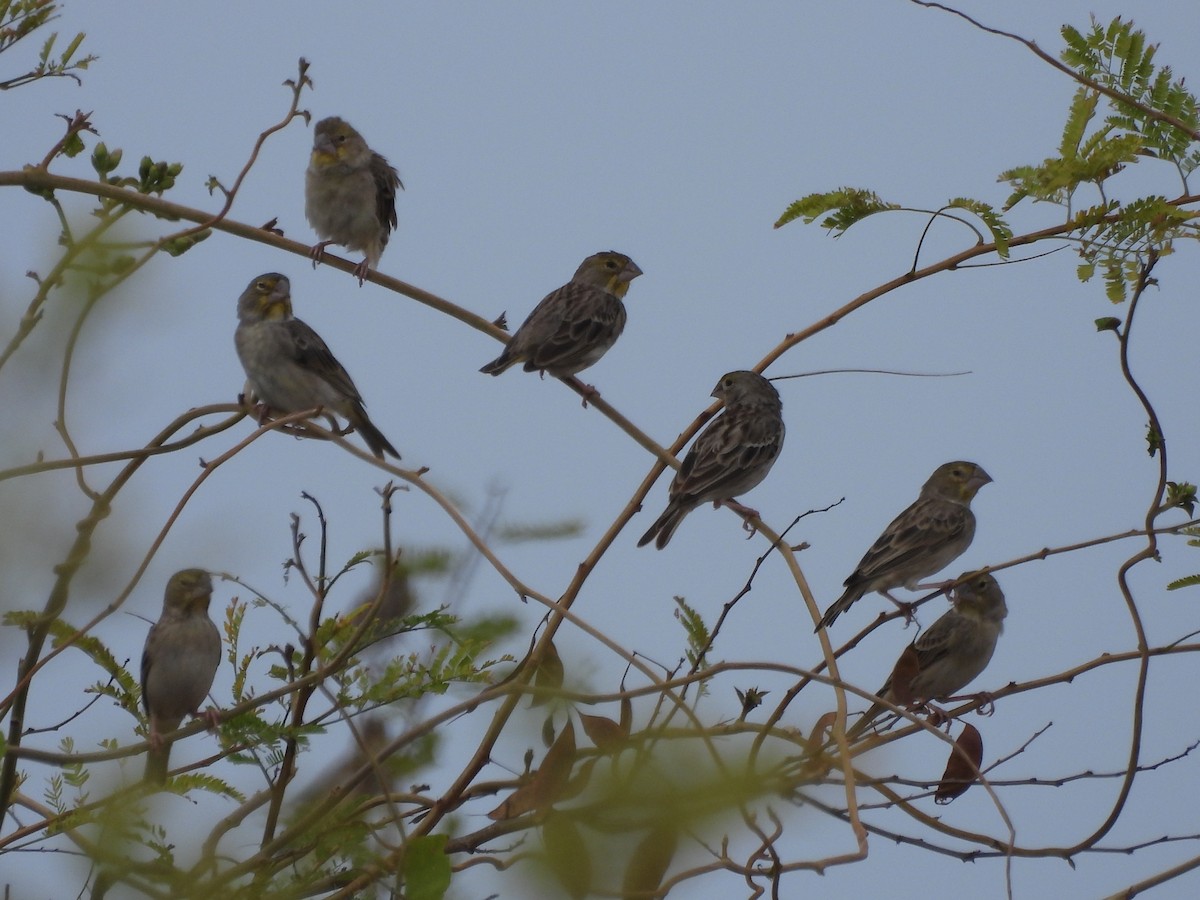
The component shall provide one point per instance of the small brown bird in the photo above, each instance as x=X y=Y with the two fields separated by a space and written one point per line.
x=349 y=194
x=288 y=365
x=576 y=324
x=924 y=539
x=730 y=457
x=951 y=654
x=179 y=661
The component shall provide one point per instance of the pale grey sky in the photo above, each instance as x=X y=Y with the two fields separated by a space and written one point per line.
x=531 y=135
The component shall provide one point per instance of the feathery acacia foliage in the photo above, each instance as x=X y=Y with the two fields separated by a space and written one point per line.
x=1127 y=110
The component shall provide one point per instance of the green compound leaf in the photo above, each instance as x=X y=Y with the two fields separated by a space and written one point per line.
x=845 y=207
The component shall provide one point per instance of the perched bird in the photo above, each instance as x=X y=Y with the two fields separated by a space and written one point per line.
x=182 y=652
x=731 y=456
x=575 y=325
x=922 y=540
x=951 y=654
x=289 y=367
x=349 y=194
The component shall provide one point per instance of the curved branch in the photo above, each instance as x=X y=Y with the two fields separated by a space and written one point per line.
x=1045 y=57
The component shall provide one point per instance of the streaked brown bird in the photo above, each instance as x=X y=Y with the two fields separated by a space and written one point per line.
x=576 y=324
x=730 y=457
x=933 y=532
x=951 y=654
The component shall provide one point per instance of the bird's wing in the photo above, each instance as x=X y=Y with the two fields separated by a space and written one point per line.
x=566 y=325
x=917 y=532
x=940 y=638
x=147 y=656
x=736 y=444
x=307 y=350
x=387 y=180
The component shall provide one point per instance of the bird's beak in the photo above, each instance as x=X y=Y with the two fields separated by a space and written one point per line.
x=630 y=272
x=323 y=144
x=979 y=479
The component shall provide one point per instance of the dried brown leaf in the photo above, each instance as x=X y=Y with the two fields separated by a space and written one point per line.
x=546 y=785
x=626 y=715
x=823 y=727
x=962 y=769
x=907 y=668
x=607 y=735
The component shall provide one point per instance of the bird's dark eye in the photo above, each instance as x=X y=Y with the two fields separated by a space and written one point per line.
x=612 y=264
x=263 y=286
x=341 y=138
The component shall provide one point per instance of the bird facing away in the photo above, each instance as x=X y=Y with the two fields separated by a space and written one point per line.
x=179 y=660
x=924 y=539
x=576 y=324
x=349 y=194
x=730 y=457
x=951 y=654
x=289 y=367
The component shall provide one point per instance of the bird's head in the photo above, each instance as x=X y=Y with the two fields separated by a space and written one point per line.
x=336 y=143
x=268 y=298
x=609 y=270
x=959 y=481
x=188 y=591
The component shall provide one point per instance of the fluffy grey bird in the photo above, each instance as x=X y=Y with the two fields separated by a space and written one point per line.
x=576 y=324
x=730 y=457
x=951 y=654
x=933 y=532
x=349 y=194
x=179 y=661
x=288 y=365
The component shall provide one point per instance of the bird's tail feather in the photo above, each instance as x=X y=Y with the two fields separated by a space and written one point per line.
x=839 y=606
x=865 y=721
x=374 y=438
x=664 y=526
x=156 y=764
x=498 y=365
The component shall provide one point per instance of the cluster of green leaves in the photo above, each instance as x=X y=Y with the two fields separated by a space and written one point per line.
x=364 y=675
x=1193 y=536
x=458 y=659
x=354 y=683
x=153 y=176
x=847 y=206
x=699 y=637
x=97 y=255
x=1126 y=109
x=18 y=20
x=1117 y=57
